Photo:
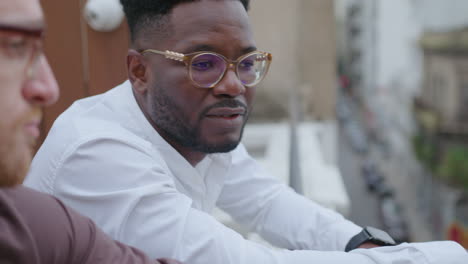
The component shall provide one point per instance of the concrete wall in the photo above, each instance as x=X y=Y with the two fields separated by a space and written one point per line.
x=301 y=36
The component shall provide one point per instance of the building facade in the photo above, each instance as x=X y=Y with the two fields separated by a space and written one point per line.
x=445 y=88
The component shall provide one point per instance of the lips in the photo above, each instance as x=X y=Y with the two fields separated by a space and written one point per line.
x=226 y=112
x=32 y=128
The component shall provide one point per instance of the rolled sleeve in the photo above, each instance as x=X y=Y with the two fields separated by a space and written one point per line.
x=277 y=213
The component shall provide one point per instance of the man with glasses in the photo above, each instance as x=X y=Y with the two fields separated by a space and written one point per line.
x=150 y=159
x=34 y=227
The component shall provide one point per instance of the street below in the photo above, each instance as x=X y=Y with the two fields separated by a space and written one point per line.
x=364 y=205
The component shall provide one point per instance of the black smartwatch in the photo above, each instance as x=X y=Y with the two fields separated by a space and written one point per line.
x=370 y=234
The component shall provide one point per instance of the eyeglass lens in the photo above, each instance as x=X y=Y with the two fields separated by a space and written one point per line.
x=19 y=51
x=207 y=69
x=252 y=68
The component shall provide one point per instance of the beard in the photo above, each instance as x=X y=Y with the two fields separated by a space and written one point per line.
x=16 y=150
x=174 y=124
x=14 y=162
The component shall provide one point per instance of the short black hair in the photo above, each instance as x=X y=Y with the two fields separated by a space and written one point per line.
x=146 y=13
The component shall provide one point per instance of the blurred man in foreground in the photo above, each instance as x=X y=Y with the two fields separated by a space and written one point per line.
x=34 y=227
x=150 y=159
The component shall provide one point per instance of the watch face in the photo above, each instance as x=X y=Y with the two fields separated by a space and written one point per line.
x=380 y=235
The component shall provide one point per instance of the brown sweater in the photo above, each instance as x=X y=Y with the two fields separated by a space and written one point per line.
x=38 y=228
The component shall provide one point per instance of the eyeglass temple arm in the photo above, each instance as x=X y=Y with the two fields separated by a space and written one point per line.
x=168 y=54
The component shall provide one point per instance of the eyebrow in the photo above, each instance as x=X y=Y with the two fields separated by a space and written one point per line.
x=29 y=28
x=205 y=47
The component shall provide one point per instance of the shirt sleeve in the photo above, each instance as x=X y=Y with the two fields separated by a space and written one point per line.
x=126 y=189
x=92 y=245
x=281 y=216
x=38 y=228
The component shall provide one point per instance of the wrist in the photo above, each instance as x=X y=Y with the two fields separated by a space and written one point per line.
x=368 y=245
x=369 y=237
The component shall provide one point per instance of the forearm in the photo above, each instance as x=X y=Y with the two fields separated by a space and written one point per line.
x=165 y=225
x=201 y=239
x=291 y=221
x=261 y=203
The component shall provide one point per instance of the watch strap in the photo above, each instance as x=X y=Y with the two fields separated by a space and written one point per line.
x=370 y=234
x=357 y=240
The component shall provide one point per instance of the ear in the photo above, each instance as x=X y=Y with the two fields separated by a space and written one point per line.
x=137 y=71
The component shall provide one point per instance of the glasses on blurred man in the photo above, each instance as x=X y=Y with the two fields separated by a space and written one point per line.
x=20 y=49
x=206 y=69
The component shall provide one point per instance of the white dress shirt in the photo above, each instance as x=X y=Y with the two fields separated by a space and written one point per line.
x=104 y=159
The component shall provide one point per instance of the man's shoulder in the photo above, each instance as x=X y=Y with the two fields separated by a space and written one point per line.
x=37 y=211
x=95 y=112
x=95 y=118
x=91 y=127
x=31 y=219
x=107 y=143
x=21 y=196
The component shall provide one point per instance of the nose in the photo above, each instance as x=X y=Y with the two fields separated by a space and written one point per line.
x=230 y=85
x=42 y=88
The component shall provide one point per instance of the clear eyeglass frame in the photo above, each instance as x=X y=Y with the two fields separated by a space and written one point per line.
x=21 y=47
x=230 y=64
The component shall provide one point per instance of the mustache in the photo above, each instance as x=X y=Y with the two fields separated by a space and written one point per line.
x=34 y=114
x=232 y=103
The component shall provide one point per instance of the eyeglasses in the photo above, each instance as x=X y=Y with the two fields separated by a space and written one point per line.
x=206 y=69
x=20 y=48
